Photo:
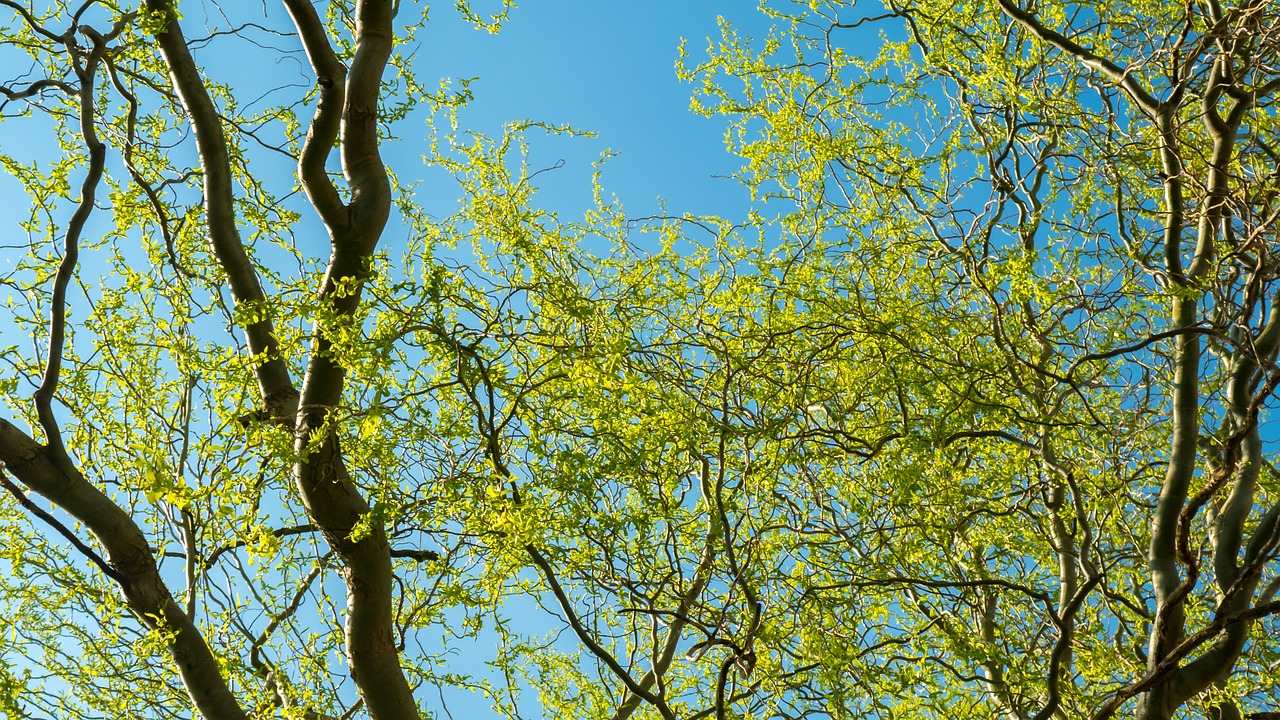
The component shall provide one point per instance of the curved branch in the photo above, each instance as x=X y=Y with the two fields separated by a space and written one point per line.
x=1113 y=72
x=331 y=76
x=701 y=575
x=549 y=574
x=277 y=390
x=87 y=74
x=493 y=452
x=348 y=112
x=131 y=561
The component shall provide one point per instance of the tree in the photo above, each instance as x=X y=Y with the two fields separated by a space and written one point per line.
x=967 y=418
x=1075 y=512
x=275 y=467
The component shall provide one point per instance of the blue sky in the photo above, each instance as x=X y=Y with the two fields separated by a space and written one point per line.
x=608 y=67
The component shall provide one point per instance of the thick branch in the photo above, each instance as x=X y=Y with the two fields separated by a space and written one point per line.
x=328 y=491
x=331 y=76
x=278 y=393
x=131 y=562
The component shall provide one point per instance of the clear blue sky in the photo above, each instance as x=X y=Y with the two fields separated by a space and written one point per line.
x=607 y=66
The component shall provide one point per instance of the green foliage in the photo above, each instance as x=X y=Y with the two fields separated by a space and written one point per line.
x=890 y=446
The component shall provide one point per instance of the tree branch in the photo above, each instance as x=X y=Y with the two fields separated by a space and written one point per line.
x=1113 y=72
x=130 y=558
x=277 y=390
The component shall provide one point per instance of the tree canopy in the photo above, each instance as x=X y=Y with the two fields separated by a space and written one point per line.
x=969 y=415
